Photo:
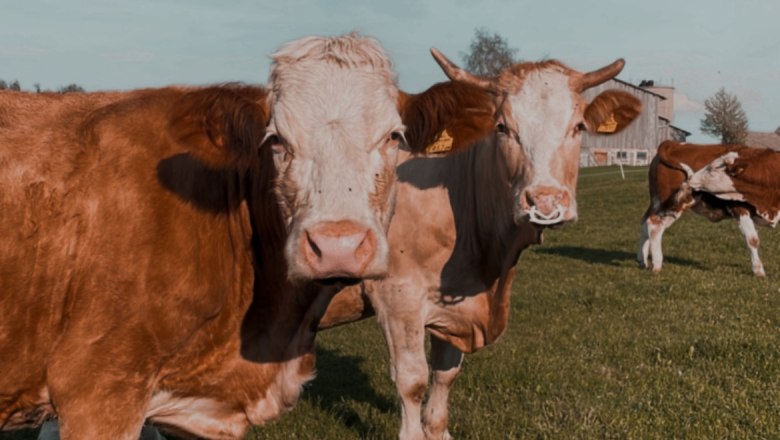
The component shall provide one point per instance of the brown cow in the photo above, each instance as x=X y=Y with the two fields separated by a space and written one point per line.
x=462 y=220
x=157 y=263
x=671 y=193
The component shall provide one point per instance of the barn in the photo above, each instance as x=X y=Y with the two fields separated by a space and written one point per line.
x=636 y=145
x=764 y=139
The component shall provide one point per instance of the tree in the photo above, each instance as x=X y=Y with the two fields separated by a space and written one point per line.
x=724 y=118
x=70 y=88
x=488 y=54
x=15 y=86
x=3 y=85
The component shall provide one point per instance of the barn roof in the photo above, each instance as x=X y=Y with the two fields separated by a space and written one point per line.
x=763 y=139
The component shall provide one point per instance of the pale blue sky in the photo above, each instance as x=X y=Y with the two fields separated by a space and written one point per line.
x=696 y=45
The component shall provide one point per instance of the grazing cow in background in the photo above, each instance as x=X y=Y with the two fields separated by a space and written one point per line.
x=462 y=220
x=157 y=261
x=732 y=181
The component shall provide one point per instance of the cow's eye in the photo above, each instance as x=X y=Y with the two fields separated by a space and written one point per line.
x=502 y=128
x=278 y=147
x=395 y=138
x=579 y=128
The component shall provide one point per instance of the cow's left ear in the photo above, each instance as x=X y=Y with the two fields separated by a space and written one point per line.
x=222 y=126
x=612 y=111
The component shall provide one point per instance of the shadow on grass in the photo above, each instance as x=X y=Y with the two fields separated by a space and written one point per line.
x=607 y=257
x=339 y=381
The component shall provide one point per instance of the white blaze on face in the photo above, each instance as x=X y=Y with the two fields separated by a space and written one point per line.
x=336 y=167
x=544 y=112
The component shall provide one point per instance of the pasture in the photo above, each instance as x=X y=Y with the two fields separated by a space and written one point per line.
x=596 y=348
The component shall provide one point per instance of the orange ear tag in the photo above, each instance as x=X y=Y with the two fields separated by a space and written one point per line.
x=442 y=144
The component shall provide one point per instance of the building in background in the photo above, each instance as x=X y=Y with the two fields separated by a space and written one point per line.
x=637 y=144
x=764 y=140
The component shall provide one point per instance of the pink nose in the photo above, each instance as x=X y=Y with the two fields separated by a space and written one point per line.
x=547 y=204
x=338 y=249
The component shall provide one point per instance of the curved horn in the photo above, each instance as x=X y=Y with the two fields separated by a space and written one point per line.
x=455 y=73
x=597 y=77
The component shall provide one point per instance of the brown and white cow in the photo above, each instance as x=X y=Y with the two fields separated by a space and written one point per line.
x=731 y=181
x=462 y=220
x=156 y=259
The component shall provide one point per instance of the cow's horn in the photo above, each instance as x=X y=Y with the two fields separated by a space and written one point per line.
x=687 y=169
x=597 y=77
x=455 y=73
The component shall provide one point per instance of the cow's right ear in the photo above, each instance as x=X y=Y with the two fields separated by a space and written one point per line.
x=223 y=126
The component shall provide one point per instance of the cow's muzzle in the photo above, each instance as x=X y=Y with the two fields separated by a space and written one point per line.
x=341 y=249
x=547 y=205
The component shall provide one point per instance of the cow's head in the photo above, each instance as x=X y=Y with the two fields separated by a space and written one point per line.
x=540 y=117
x=716 y=177
x=334 y=129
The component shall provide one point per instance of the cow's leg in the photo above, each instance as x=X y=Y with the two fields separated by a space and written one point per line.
x=656 y=225
x=446 y=362
x=101 y=387
x=405 y=335
x=644 y=244
x=748 y=229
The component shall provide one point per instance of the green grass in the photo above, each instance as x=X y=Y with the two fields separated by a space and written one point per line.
x=596 y=348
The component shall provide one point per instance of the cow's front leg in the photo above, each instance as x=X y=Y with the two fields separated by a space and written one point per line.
x=405 y=335
x=656 y=225
x=748 y=229
x=100 y=396
x=446 y=361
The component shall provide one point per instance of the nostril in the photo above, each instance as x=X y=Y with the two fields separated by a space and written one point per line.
x=313 y=245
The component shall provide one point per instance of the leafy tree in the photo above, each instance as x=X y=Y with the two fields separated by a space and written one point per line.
x=724 y=118
x=15 y=86
x=70 y=88
x=3 y=85
x=488 y=54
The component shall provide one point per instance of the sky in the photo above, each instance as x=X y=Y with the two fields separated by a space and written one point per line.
x=697 y=46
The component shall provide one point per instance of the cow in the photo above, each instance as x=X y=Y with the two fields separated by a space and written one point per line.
x=462 y=220
x=674 y=188
x=163 y=252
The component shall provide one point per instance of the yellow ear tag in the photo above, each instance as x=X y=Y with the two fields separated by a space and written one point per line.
x=442 y=144
x=608 y=126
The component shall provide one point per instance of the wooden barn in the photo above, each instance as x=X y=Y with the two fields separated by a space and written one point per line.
x=637 y=144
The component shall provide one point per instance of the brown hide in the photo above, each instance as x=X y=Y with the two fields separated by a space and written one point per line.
x=135 y=231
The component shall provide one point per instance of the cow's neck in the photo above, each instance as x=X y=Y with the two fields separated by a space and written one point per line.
x=484 y=221
x=281 y=321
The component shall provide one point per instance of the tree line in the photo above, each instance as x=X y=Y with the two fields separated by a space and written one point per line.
x=14 y=85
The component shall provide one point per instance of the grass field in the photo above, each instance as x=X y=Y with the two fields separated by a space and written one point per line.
x=596 y=348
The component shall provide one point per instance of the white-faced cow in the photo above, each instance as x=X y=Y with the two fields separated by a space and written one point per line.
x=462 y=220
x=156 y=259
x=731 y=181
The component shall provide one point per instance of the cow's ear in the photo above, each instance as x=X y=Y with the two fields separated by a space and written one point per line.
x=735 y=169
x=222 y=126
x=611 y=111
x=448 y=117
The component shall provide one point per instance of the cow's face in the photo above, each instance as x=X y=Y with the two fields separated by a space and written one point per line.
x=540 y=119
x=334 y=130
x=716 y=177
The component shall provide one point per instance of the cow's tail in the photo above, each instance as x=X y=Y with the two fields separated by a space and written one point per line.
x=664 y=153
